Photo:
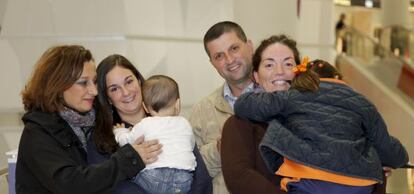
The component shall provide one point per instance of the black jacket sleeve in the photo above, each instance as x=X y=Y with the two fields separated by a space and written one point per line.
x=62 y=168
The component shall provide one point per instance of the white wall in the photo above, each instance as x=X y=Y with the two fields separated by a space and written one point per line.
x=263 y=18
x=395 y=12
x=2 y=10
x=158 y=36
x=312 y=28
x=316 y=30
x=10 y=78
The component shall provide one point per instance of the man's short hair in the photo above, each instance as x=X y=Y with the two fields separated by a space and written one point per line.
x=219 y=29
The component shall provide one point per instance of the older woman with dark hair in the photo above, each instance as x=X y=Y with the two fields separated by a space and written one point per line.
x=59 y=117
x=120 y=101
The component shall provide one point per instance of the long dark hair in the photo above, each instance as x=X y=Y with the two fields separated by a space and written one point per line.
x=106 y=114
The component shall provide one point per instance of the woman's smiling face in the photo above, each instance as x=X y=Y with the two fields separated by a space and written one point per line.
x=124 y=90
x=275 y=69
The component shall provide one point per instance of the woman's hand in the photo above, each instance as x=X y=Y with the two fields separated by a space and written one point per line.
x=387 y=171
x=148 y=150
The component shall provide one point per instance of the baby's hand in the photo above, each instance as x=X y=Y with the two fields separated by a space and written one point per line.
x=119 y=125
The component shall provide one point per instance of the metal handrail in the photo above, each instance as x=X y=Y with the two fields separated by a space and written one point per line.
x=408 y=165
x=397 y=26
x=354 y=30
x=410 y=32
x=5 y=172
x=387 y=51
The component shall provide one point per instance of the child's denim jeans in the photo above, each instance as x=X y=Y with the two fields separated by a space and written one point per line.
x=165 y=180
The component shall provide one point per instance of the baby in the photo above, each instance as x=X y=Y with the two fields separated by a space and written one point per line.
x=172 y=172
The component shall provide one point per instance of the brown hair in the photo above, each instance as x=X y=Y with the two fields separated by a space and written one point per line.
x=306 y=81
x=324 y=69
x=56 y=71
x=106 y=114
x=160 y=91
x=280 y=39
x=219 y=29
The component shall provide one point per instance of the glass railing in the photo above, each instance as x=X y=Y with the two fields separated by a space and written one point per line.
x=390 y=41
x=364 y=48
x=388 y=58
x=399 y=40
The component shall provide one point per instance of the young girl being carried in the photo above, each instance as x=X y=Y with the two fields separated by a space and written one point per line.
x=322 y=136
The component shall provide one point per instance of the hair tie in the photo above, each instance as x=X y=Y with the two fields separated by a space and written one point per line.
x=302 y=67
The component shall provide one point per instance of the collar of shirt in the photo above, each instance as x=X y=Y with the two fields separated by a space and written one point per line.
x=230 y=98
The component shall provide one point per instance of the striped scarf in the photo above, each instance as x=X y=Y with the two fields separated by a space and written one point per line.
x=81 y=124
